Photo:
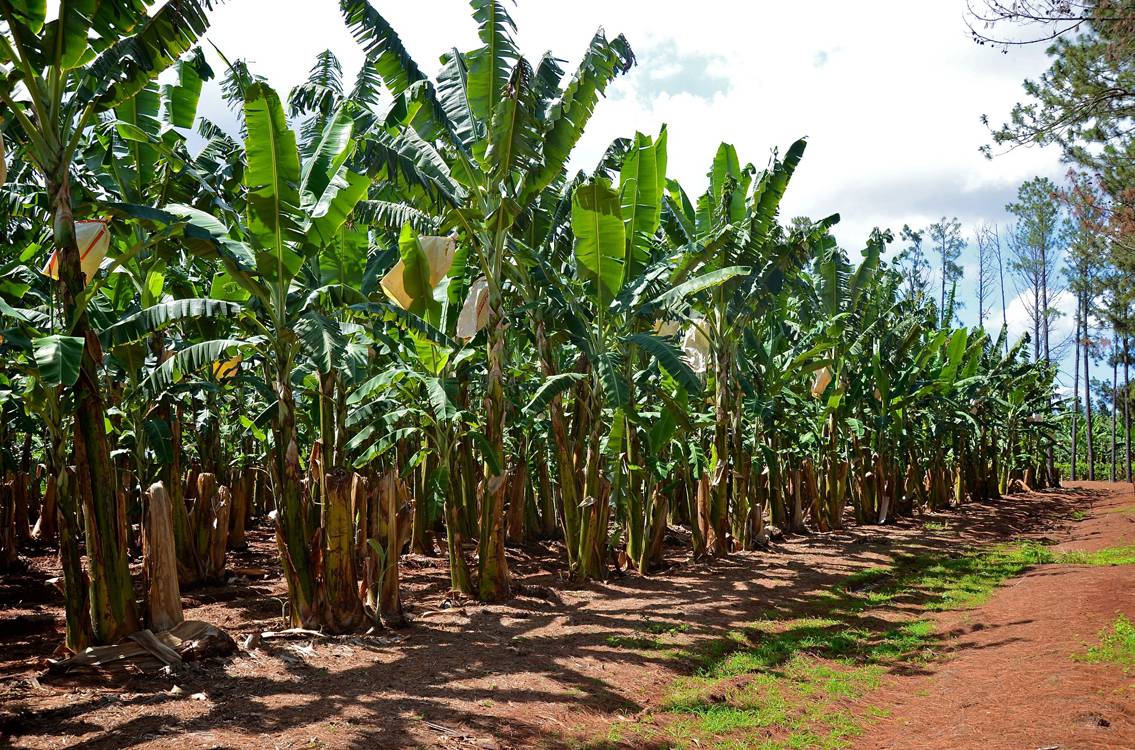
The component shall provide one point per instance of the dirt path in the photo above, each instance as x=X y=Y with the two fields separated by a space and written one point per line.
x=552 y=666
x=1009 y=679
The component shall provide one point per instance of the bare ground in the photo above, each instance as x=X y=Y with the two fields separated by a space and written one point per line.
x=545 y=670
x=1009 y=678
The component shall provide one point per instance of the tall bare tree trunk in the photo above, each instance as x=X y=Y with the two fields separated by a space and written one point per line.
x=1127 y=407
x=1114 y=405
x=1076 y=394
x=1088 y=391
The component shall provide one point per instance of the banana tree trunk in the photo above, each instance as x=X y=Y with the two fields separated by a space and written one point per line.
x=343 y=608
x=459 y=578
x=493 y=584
x=421 y=540
x=565 y=458
x=76 y=605
x=47 y=524
x=517 y=532
x=242 y=490
x=9 y=538
x=189 y=568
x=593 y=531
x=657 y=510
x=21 y=496
x=717 y=529
x=636 y=502
x=742 y=472
x=210 y=521
x=111 y=596
x=293 y=532
x=385 y=545
x=547 y=501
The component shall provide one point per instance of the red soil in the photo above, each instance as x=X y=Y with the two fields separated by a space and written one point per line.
x=1010 y=680
x=539 y=670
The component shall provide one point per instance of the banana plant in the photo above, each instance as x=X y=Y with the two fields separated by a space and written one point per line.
x=605 y=296
x=479 y=147
x=58 y=75
x=734 y=226
x=293 y=209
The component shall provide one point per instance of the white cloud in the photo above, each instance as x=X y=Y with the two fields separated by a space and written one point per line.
x=890 y=94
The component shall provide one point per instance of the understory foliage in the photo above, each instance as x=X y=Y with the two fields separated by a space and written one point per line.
x=390 y=317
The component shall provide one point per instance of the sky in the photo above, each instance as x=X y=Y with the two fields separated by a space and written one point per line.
x=890 y=95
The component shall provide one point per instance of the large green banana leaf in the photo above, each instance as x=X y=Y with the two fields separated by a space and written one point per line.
x=600 y=238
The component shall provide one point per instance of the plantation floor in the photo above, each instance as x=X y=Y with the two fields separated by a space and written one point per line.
x=869 y=638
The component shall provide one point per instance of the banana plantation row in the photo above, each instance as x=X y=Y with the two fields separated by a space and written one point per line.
x=389 y=315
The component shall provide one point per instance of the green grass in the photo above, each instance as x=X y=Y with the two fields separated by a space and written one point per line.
x=637 y=643
x=656 y=641
x=1104 y=557
x=665 y=628
x=1116 y=646
x=935 y=526
x=798 y=683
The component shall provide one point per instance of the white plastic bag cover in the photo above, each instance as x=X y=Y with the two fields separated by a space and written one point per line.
x=93 y=239
x=695 y=346
x=439 y=252
x=475 y=312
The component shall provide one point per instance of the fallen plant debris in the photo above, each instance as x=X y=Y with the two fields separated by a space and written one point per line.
x=148 y=652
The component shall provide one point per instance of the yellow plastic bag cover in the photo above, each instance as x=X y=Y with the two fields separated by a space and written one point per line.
x=227 y=369
x=666 y=328
x=695 y=346
x=475 y=312
x=395 y=287
x=439 y=252
x=93 y=239
x=821 y=381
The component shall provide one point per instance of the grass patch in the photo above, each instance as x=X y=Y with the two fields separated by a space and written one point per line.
x=1116 y=646
x=656 y=640
x=935 y=526
x=1105 y=557
x=665 y=628
x=637 y=643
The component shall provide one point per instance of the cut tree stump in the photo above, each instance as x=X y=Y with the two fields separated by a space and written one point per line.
x=163 y=596
x=210 y=522
x=9 y=538
x=47 y=524
x=219 y=535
